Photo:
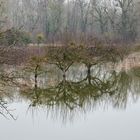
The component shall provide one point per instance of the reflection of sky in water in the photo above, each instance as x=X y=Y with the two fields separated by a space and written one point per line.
x=100 y=125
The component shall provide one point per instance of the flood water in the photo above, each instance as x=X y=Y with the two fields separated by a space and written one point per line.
x=98 y=102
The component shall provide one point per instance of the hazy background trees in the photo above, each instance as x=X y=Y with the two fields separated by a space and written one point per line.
x=76 y=19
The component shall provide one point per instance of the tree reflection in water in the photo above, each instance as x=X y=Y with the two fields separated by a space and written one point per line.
x=79 y=88
x=5 y=111
x=67 y=92
x=70 y=97
x=7 y=81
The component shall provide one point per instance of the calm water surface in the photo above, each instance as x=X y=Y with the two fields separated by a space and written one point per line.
x=84 y=103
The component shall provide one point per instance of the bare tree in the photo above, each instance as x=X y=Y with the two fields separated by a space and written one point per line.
x=127 y=27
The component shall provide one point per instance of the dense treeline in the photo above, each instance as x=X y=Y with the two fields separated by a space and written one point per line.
x=63 y=20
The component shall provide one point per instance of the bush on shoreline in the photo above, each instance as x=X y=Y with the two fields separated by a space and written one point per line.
x=14 y=37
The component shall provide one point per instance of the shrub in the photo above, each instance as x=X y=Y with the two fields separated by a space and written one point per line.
x=40 y=38
x=14 y=37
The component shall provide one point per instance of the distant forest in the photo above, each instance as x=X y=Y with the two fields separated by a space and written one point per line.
x=62 y=20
